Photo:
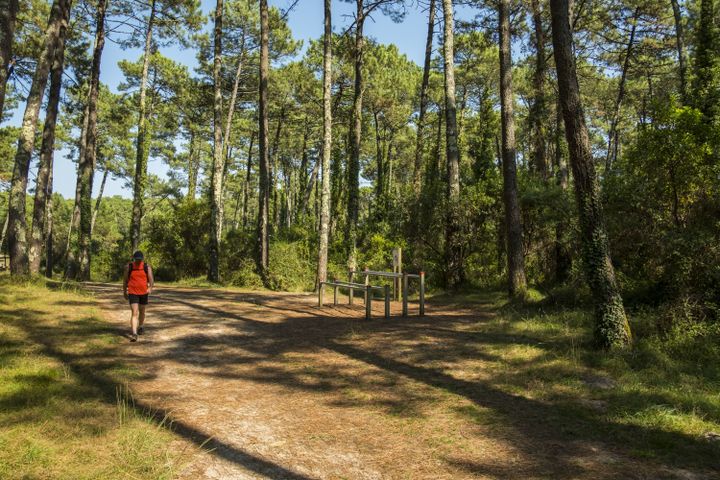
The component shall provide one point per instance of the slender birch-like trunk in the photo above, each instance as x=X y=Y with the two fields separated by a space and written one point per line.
x=142 y=149
x=86 y=168
x=453 y=248
x=38 y=232
x=17 y=228
x=263 y=241
x=218 y=166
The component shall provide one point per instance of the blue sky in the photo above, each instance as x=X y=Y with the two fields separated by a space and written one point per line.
x=306 y=22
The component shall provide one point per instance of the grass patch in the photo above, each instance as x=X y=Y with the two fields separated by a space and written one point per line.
x=55 y=421
x=658 y=400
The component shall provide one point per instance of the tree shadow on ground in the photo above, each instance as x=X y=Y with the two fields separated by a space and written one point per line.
x=390 y=358
x=98 y=380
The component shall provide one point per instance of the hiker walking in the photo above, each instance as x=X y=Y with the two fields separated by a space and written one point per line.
x=137 y=286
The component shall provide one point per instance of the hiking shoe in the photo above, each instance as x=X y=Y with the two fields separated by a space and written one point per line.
x=133 y=337
x=141 y=330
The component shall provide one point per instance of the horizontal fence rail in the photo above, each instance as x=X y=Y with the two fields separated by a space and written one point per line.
x=352 y=286
x=404 y=277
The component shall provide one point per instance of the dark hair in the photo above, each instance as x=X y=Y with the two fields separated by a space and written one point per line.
x=138 y=255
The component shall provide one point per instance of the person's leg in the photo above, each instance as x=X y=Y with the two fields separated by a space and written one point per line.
x=142 y=315
x=134 y=318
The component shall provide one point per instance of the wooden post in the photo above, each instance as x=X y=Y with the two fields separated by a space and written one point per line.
x=387 y=301
x=367 y=279
x=422 y=294
x=352 y=292
x=397 y=268
x=368 y=303
x=405 y=294
x=321 y=292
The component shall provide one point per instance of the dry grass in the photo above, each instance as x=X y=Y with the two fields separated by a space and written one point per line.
x=56 y=420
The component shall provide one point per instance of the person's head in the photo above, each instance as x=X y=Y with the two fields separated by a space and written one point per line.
x=138 y=256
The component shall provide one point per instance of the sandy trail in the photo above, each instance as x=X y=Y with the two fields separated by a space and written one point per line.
x=287 y=390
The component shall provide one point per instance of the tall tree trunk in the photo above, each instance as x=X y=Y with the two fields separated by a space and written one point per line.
x=193 y=155
x=86 y=168
x=8 y=15
x=17 y=229
x=379 y=159
x=263 y=243
x=233 y=96
x=216 y=189
x=563 y=259
x=611 y=325
x=142 y=149
x=538 y=113
x=353 y=169
x=98 y=200
x=417 y=167
x=47 y=150
x=453 y=247
x=246 y=185
x=415 y=224
x=307 y=191
x=275 y=165
x=517 y=285
x=680 y=45
x=327 y=146
x=4 y=230
x=49 y=251
x=612 y=149
x=71 y=266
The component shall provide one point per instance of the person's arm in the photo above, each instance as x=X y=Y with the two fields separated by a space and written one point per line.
x=126 y=276
x=151 y=280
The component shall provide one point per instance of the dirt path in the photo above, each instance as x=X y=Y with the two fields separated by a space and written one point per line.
x=287 y=390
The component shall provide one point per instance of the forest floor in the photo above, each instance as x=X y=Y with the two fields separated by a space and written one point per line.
x=264 y=385
x=284 y=389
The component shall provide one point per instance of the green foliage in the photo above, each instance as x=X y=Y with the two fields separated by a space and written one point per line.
x=177 y=241
x=666 y=188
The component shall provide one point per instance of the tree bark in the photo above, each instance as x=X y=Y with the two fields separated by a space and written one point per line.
x=216 y=189
x=453 y=248
x=47 y=150
x=246 y=185
x=233 y=96
x=98 y=200
x=142 y=149
x=379 y=159
x=353 y=170
x=17 y=228
x=563 y=259
x=86 y=168
x=275 y=165
x=8 y=15
x=4 y=230
x=193 y=155
x=611 y=325
x=538 y=113
x=417 y=167
x=49 y=251
x=307 y=191
x=612 y=149
x=680 y=45
x=263 y=244
x=69 y=253
x=327 y=147
x=517 y=285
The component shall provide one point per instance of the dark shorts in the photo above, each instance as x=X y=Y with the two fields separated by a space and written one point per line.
x=141 y=299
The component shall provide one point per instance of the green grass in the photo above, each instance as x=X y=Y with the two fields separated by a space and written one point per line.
x=660 y=397
x=56 y=420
